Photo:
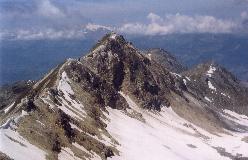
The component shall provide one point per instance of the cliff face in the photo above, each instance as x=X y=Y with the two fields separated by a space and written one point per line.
x=119 y=102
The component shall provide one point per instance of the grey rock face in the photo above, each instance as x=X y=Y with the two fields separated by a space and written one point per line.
x=166 y=59
x=219 y=87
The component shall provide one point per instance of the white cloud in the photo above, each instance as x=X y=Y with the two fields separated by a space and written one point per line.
x=154 y=18
x=132 y=28
x=244 y=15
x=49 y=33
x=156 y=25
x=244 y=22
x=47 y=9
x=54 y=33
x=179 y=24
x=94 y=27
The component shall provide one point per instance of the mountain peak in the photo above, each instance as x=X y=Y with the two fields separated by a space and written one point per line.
x=126 y=68
x=112 y=44
x=112 y=37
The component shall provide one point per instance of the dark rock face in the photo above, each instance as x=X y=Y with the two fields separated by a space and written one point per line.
x=166 y=59
x=108 y=153
x=56 y=146
x=118 y=75
x=63 y=121
x=30 y=104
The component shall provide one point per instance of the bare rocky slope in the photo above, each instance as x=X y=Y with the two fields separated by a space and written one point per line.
x=120 y=103
x=166 y=59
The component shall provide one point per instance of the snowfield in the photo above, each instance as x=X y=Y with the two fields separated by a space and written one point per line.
x=14 y=145
x=165 y=135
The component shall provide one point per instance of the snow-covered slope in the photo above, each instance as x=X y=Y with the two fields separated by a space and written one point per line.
x=165 y=135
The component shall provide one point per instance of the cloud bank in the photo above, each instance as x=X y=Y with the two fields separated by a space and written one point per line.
x=180 y=24
x=49 y=33
x=156 y=25
x=95 y=27
x=52 y=19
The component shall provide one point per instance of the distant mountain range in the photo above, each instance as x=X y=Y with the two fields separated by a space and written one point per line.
x=30 y=59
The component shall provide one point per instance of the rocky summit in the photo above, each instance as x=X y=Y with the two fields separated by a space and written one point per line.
x=118 y=102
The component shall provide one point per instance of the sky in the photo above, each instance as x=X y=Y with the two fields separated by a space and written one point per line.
x=54 y=19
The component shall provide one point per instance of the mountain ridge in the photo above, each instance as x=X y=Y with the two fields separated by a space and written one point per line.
x=119 y=103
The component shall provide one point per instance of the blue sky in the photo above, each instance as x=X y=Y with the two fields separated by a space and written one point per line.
x=47 y=17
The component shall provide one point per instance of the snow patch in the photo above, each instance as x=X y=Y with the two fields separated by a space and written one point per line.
x=64 y=84
x=211 y=71
x=210 y=86
x=187 y=78
x=149 y=56
x=225 y=95
x=67 y=109
x=207 y=99
x=185 y=82
x=175 y=74
x=113 y=36
x=80 y=147
x=238 y=118
x=40 y=122
x=69 y=106
x=73 y=126
x=6 y=110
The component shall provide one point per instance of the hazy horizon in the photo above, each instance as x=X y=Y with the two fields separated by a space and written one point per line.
x=53 y=19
